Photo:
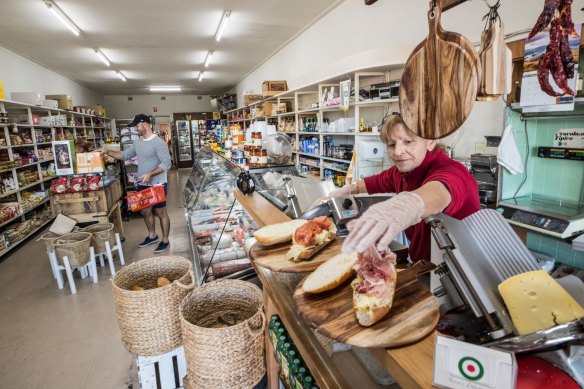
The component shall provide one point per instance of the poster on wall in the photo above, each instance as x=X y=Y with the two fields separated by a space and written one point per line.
x=533 y=98
x=64 y=153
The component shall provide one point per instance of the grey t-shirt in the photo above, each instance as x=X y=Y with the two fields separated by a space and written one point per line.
x=151 y=154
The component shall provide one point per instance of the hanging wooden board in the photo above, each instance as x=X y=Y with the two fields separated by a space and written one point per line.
x=413 y=315
x=274 y=257
x=498 y=62
x=439 y=83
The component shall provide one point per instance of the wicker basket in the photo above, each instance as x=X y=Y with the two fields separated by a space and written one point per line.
x=101 y=233
x=75 y=246
x=149 y=319
x=223 y=335
x=48 y=239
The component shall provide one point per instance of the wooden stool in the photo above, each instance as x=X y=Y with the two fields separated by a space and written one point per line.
x=109 y=253
x=89 y=268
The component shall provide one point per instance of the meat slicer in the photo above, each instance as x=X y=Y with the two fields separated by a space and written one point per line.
x=477 y=254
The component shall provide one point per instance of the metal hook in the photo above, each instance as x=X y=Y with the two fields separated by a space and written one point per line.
x=489 y=5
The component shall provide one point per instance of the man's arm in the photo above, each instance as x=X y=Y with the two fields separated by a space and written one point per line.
x=165 y=162
x=119 y=155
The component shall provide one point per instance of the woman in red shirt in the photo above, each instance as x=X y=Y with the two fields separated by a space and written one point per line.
x=426 y=181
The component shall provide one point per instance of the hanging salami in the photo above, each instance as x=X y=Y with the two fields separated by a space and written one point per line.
x=558 y=59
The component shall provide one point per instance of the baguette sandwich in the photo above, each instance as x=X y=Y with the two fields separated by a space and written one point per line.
x=278 y=233
x=331 y=273
x=311 y=237
x=374 y=287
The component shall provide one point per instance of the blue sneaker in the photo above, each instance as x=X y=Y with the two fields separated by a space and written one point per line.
x=161 y=247
x=148 y=241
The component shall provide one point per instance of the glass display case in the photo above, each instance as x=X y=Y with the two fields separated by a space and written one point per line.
x=219 y=228
x=184 y=140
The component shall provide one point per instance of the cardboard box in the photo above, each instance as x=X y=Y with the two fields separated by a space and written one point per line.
x=269 y=108
x=90 y=163
x=63 y=101
x=64 y=152
x=271 y=88
x=50 y=103
x=32 y=98
x=249 y=99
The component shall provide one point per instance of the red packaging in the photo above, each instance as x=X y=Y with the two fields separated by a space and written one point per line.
x=59 y=185
x=77 y=184
x=146 y=198
x=92 y=182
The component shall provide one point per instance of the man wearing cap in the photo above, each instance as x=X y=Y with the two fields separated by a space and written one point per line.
x=153 y=163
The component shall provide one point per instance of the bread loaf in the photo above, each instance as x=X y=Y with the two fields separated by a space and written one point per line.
x=330 y=274
x=277 y=233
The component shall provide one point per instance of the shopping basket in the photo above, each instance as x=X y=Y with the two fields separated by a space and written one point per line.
x=146 y=198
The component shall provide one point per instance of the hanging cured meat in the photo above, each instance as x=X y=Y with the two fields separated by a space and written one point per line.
x=558 y=59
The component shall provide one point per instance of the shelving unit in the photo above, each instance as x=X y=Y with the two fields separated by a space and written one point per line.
x=27 y=163
x=306 y=104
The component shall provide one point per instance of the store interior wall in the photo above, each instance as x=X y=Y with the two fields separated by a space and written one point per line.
x=119 y=107
x=19 y=74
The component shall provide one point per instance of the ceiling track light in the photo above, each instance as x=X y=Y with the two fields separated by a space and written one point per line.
x=201 y=76
x=63 y=17
x=121 y=76
x=222 y=24
x=165 y=89
x=208 y=59
x=102 y=57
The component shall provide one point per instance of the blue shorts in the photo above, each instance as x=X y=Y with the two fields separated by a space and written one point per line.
x=155 y=206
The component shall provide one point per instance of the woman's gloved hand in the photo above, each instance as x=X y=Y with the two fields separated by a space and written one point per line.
x=344 y=191
x=381 y=222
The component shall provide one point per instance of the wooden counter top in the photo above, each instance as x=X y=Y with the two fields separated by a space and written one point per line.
x=411 y=366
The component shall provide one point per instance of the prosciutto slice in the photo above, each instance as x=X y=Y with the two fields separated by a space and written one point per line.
x=375 y=270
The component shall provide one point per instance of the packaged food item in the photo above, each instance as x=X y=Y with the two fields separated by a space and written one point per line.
x=60 y=185
x=77 y=184
x=92 y=182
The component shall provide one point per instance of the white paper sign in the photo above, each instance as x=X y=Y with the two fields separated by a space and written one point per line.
x=464 y=365
x=345 y=87
x=570 y=137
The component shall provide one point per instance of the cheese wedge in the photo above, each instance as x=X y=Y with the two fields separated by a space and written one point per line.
x=536 y=302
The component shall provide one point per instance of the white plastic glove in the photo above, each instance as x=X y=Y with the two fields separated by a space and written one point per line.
x=344 y=191
x=381 y=222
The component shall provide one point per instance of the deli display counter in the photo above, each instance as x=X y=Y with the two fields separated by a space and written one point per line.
x=219 y=227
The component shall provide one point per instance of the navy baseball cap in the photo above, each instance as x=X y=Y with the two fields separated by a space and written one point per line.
x=140 y=118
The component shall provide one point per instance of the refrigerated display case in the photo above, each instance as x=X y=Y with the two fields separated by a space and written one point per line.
x=184 y=139
x=219 y=228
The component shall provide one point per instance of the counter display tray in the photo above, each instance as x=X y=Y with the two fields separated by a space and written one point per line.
x=274 y=257
x=413 y=315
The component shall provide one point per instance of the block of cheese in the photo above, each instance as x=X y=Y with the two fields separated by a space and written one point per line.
x=536 y=301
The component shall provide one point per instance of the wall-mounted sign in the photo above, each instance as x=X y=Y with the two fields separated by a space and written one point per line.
x=570 y=137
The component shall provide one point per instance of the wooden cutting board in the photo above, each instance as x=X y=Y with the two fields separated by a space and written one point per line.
x=498 y=62
x=413 y=315
x=439 y=83
x=273 y=257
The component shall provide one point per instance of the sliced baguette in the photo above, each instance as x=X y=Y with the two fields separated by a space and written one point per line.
x=330 y=274
x=300 y=252
x=370 y=308
x=278 y=233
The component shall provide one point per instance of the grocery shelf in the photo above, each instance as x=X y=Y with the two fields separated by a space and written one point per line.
x=306 y=154
x=15 y=244
x=376 y=102
x=334 y=169
x=25 y=211
x=336 y=159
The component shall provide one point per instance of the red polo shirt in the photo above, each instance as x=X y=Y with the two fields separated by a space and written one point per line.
x=437 y=166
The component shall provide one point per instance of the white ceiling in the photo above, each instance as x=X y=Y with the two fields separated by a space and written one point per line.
x=155 y=42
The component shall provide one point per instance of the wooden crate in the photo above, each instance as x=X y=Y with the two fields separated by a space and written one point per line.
x=165 y=371
x=96 y=202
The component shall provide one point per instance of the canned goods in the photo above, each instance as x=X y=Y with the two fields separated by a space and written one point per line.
x=238 y=161
x=237 y=153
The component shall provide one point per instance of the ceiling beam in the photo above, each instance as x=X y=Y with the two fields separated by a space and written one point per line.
x=446 y=4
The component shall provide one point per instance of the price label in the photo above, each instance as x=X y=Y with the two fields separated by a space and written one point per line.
x=463 y=365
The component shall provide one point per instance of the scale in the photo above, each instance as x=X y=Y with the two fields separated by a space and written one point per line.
x=558 y=218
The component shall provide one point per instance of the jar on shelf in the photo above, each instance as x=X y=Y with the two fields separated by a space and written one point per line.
x=263 y=158
x=256 y=139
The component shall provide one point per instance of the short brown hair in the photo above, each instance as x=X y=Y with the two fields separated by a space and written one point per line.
x=389 y=125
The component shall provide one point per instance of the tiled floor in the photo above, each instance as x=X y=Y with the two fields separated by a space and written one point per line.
x=52 y=339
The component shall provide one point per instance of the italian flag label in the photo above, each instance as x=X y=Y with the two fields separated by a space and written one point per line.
x=471 y=368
